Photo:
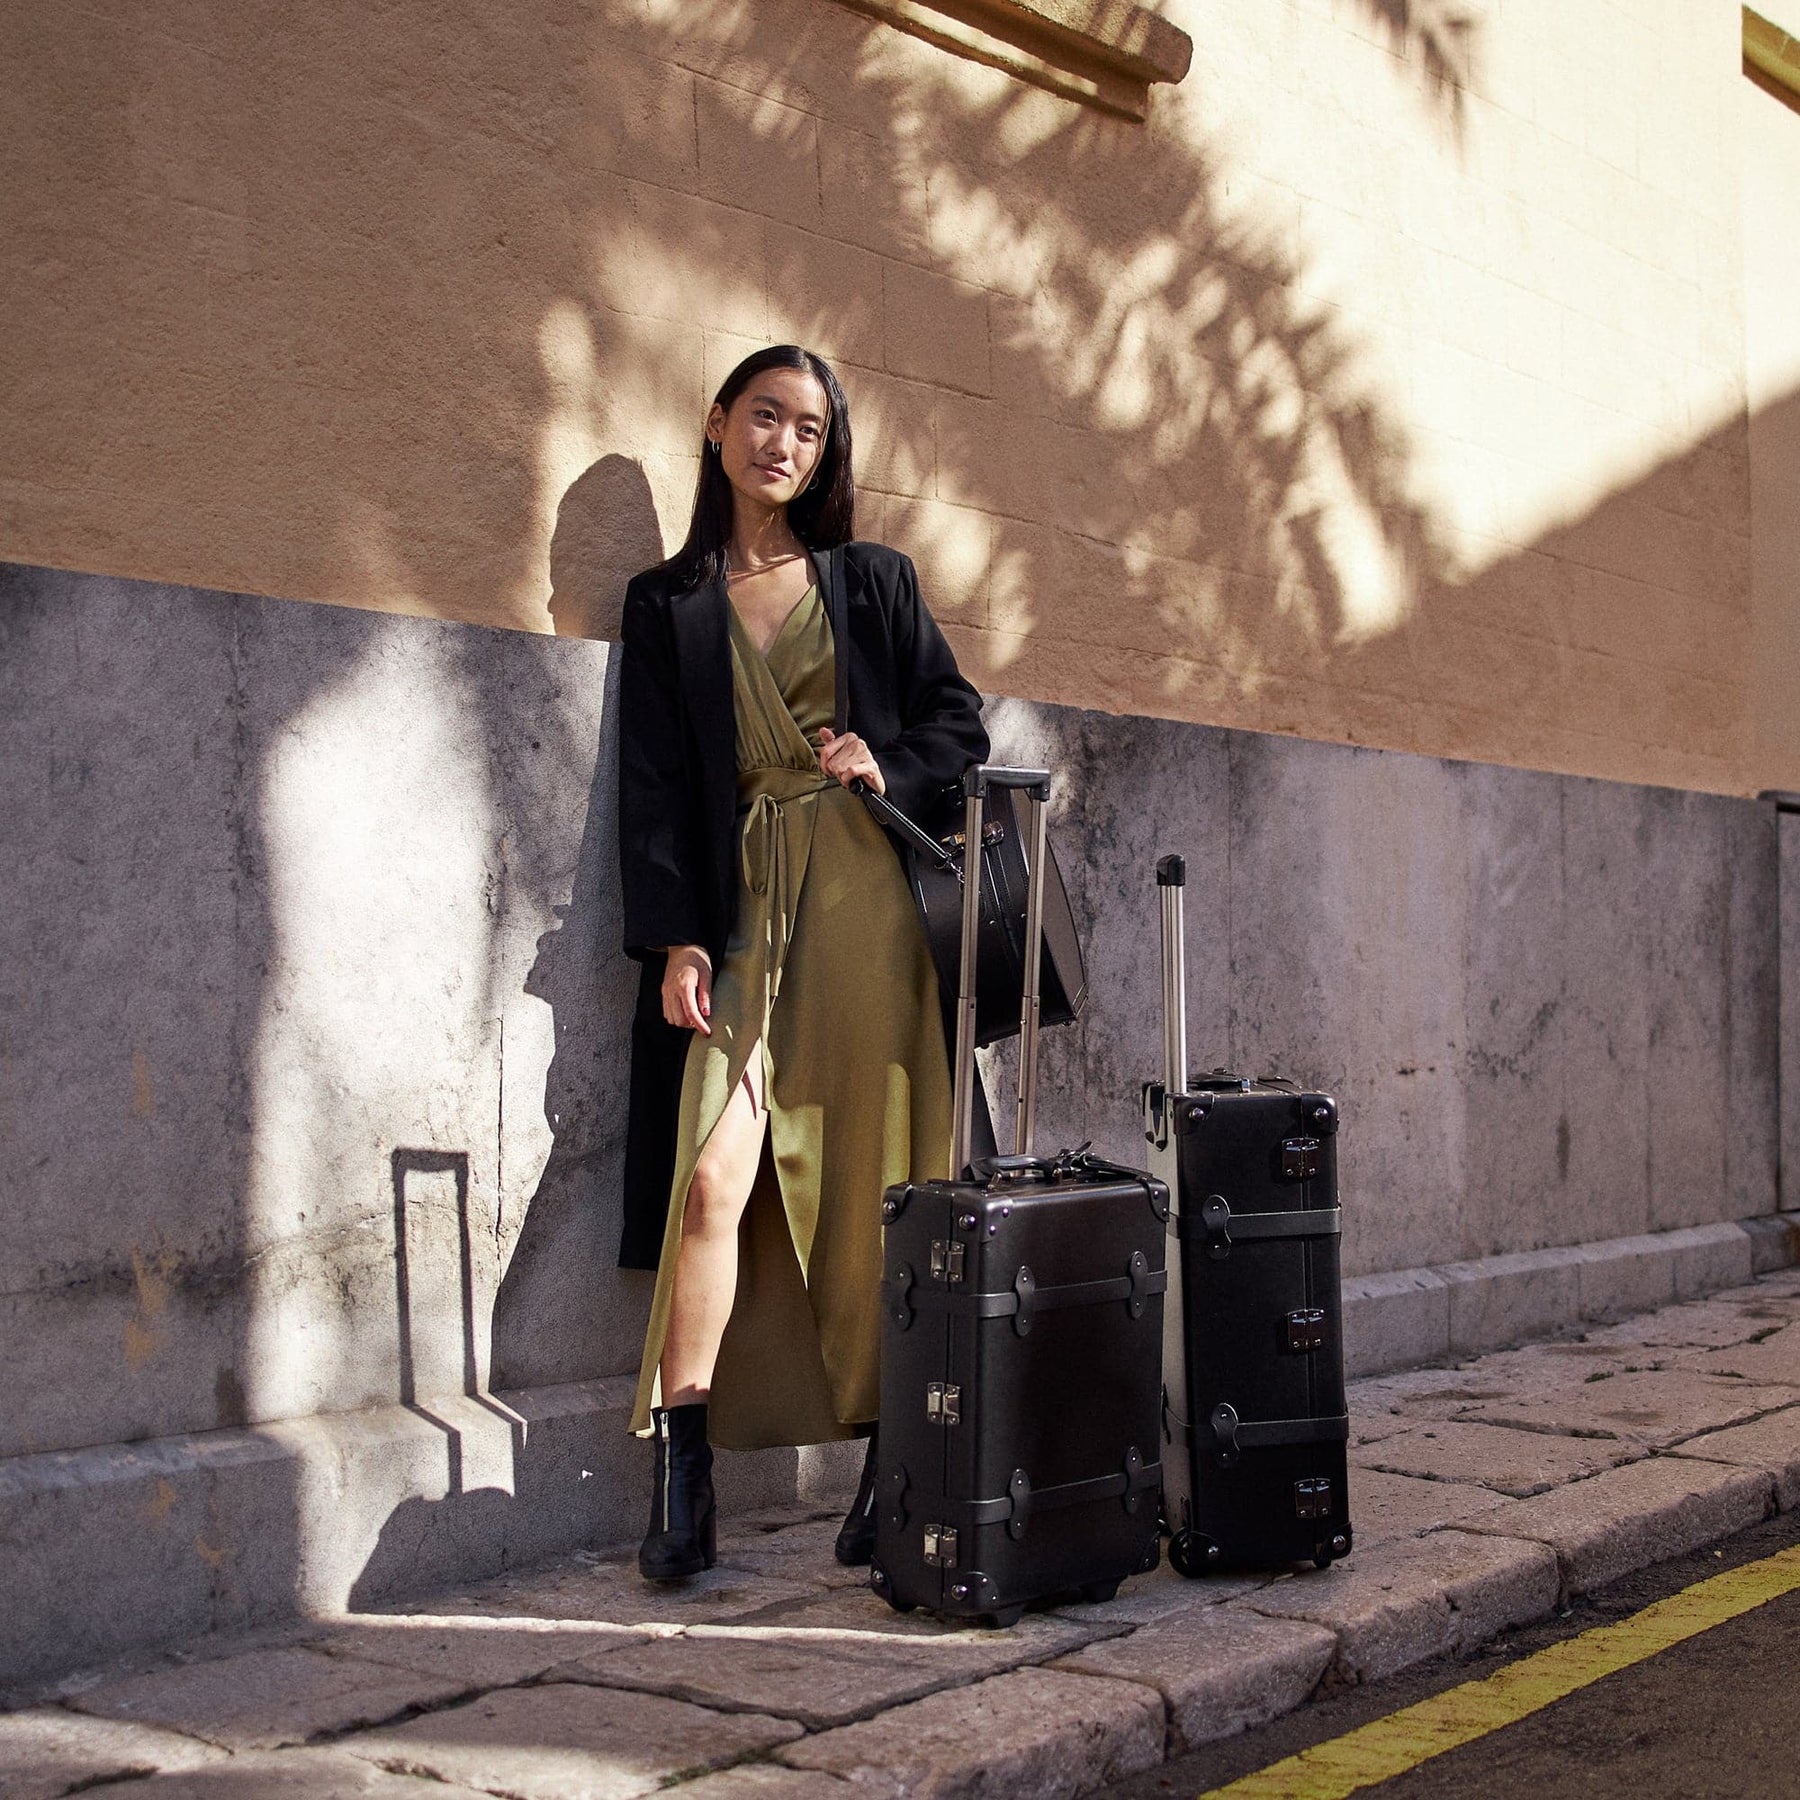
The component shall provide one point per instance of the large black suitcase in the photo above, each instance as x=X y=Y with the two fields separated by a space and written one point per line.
x=1021 y=1348
x=1254 y=1424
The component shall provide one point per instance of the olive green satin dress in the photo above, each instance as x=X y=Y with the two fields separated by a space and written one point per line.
x=828 y=978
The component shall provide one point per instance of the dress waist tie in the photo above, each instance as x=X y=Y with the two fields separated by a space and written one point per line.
x=765 y=792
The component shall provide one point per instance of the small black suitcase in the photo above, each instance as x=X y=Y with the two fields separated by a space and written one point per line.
x=1254 y=1424
x=1021 y=1348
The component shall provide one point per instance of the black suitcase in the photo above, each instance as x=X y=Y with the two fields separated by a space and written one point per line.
x=1255 y=1431
x=1021 y=1348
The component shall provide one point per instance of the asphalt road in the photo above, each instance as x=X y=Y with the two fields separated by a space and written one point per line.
x=1713 y=1718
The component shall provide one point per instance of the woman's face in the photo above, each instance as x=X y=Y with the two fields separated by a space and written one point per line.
x=771 y=439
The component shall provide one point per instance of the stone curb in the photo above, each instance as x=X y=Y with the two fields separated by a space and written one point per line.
x=393 y=1501
x=816 y=1690
x=1405 y=1318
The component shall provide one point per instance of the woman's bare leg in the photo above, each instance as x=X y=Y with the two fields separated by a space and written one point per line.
x=706 y=1265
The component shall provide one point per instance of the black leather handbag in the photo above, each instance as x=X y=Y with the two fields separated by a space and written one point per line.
x=934 y=863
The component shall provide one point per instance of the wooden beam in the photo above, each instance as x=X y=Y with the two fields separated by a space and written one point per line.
x=1102 y=53
x=1771 y=52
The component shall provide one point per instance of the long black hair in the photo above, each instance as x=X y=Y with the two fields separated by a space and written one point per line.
x=821 y=516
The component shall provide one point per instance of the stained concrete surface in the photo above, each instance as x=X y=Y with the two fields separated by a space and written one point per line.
x=1547 y=1005
x=315 y=1066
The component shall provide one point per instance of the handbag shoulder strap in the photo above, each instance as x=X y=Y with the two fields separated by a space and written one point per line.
x=887 y=813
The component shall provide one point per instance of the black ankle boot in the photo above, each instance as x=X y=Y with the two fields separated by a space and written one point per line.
x=856 y=1539
x=683 y=1535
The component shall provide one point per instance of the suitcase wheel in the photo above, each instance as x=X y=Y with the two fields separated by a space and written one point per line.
x=1190 y=1554
x=1003 y=1618
x=878 y=1580
x=1098 y=1590
x=1324 y=1555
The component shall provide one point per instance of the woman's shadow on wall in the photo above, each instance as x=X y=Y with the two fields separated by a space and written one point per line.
x=564 y=1310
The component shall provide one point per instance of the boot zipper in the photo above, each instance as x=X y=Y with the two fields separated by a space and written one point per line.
x=662 y=1425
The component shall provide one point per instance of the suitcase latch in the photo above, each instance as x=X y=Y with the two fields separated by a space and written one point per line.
x=946 y=1260
x=1225 y=1433
x=898 y=1489
x=943 y=1403
x=898 y=1287
x=940 y=1546
x=1312 y=1499
x=1300 y=1158
x=1215 y=1222
x=1306 y=1329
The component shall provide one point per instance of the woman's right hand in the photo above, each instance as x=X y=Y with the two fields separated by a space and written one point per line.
x=687 y=988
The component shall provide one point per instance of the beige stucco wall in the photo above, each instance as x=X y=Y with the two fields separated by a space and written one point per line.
x=1772 y=366
x=1387 y=385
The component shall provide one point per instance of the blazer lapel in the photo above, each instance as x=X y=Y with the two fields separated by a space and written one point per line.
x=699 y=621
x=837 y=608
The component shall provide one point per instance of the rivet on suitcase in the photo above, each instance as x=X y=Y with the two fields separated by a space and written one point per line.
x=1254 y=1439
x=1021 y=1344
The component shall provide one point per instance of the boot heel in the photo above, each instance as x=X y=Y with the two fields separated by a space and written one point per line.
x=709 y=1538
x=855 y=1546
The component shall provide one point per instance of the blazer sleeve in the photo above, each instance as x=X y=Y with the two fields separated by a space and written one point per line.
x=658 y=823
x=940 y=713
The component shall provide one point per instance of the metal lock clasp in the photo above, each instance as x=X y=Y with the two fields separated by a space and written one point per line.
x=940 y=1546
x=1299 y=1158
x=1306 y=1329
x=946 y=1260
x=943 y=1403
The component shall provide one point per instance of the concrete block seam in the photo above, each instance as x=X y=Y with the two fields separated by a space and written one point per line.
x=1060 y=1664
x=1723 y=1462
x=1675 y=1445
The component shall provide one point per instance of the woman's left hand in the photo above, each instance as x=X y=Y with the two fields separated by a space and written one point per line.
x=845 y=758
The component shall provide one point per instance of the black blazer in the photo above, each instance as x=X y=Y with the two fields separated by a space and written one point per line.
x=898 y=688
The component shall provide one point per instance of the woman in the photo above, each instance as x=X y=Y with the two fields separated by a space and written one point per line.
x=788 y=1057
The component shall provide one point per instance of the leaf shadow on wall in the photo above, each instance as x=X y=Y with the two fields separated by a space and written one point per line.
x=547 y=1320
x=1175 y=469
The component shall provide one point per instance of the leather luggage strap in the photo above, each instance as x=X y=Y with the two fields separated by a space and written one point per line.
x=1215 y=1222
x=1231 y=1435
x=1025 y=1298
x=1015 y=1507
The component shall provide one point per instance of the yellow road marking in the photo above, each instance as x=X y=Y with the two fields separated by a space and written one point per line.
x=1388 y=1747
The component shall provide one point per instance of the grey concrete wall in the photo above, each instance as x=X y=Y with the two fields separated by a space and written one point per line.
x=312 y=1068
x=1548 y=1005
x=312 y=1088
x=308 y=937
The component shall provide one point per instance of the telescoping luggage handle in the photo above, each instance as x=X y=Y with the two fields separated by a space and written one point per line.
x=1171 y=879
x=977 y=782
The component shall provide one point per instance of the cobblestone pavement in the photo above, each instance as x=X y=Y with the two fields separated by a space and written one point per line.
x=1482 y=1496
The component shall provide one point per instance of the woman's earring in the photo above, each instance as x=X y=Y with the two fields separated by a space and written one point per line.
x=713 y=445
